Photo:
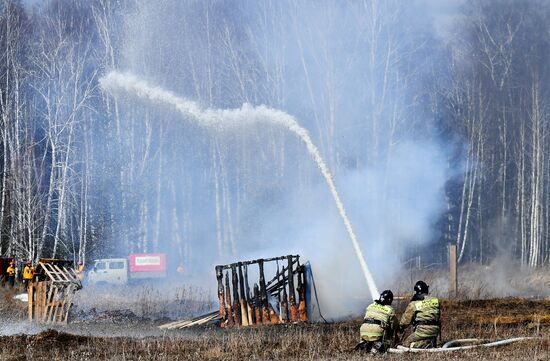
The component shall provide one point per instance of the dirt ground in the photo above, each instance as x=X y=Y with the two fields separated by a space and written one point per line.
x=126 y=336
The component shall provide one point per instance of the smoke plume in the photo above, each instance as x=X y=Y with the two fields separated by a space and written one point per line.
x=230 y=192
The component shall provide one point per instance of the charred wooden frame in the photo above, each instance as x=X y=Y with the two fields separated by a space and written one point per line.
x=246 y=309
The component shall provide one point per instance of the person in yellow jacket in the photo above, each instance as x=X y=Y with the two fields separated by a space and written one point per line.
x=423 y=313
x=10 y=274
x=28 y=273
x=379 y=325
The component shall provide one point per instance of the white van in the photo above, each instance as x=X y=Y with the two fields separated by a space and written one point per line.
x=111 y=271
x=119 y=271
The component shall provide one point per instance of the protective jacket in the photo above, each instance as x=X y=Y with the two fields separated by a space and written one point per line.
x=379 y=324
x=10 y=271
x=423 y=312
x=28 y=273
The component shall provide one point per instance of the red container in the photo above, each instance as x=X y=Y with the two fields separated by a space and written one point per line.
x=147 y=262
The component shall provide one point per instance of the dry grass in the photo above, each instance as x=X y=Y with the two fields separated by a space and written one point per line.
x=480 y=319
x=11 y=309
x=147 y=300
x=138 y=338
x=502 y=278
x=318 y=342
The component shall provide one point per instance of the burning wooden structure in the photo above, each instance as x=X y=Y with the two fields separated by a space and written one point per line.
x=270 y=302
x=52 y=291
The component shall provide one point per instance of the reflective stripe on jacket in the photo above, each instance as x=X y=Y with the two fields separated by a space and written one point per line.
x=424 y=314
x=384 y=315
x=426 y=310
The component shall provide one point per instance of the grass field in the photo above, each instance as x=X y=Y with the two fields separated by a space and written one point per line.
x=139 y=339
x=122 y=324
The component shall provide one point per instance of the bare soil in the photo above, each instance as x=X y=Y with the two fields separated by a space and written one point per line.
x=127 y=337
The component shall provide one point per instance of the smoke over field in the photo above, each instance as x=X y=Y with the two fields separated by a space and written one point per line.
x=222 y=120
x=386 y=128
x=395 y=193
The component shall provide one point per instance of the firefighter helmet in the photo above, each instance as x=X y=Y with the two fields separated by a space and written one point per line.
x=386 y=297
x=421 y=287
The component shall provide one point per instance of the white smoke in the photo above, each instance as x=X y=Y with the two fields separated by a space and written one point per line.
x=221 y=119
x=309 y=59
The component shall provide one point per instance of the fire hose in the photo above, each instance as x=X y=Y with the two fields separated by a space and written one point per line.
x=455 y=345
x=308 y=269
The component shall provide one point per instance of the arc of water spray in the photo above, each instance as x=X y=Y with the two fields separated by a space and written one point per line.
x=230 y=118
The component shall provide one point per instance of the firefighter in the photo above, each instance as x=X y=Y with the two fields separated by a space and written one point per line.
x=28 y=274
x=379 y=326
x=10 y=273
x=423 y=313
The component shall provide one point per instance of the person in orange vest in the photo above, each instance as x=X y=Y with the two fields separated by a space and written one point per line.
x=10 y=273
x=28 y=274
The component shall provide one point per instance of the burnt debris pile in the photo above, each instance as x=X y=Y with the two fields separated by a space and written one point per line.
x=268 y=302
x=278 y=300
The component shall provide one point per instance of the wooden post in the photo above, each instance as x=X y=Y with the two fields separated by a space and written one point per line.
x=221 y=294
x=291 y=295
x=41 y=300
x=30 y=295
x=229 y=313
x=38 y=302
x=453 y=281
x=244 y=309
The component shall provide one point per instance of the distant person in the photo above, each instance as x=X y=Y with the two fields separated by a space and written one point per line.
x=28 y=274
x=423 y=313
x=379 y=326
x=10 y=274
x=80 y=271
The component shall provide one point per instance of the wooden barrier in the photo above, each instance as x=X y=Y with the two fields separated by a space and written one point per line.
x=52 y=291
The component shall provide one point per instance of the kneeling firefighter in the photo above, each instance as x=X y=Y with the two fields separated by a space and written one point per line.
x=423 y=313
x=379 y=326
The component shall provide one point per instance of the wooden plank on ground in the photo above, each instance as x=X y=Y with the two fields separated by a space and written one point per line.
x=180 y=322
x=190 y=322
x=200 y=322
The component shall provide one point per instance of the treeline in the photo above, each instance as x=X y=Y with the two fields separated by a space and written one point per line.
x=498 y=105
x=84 y=174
